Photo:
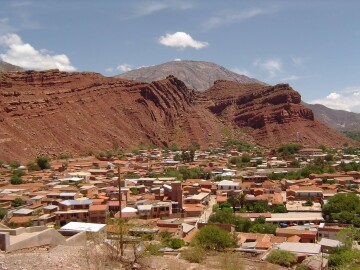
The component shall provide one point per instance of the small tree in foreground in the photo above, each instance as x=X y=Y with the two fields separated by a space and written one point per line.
x=213 y=238
x=282 y=257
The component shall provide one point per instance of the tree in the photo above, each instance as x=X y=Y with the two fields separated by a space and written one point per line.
x=213 y=238
x=43 y=162
x=344 y=258
x=33 y=167
x=16 y=180
x=3 y=212
x=14 y=164
x=17 y=202
x=348 y=235
x=343 y=207
x=282 y=257
x=234 y=200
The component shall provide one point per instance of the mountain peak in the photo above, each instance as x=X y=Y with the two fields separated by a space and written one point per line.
x=198 y=75
x=5 y=67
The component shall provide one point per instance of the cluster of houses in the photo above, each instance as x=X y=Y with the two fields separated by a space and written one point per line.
x=89 y=190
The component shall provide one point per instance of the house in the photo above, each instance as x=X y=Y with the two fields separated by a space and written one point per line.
x=306 y=236
x=227 y=185
x=98 y=213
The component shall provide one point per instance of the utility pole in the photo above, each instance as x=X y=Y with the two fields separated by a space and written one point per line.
x=119 y=186
x=121 y=225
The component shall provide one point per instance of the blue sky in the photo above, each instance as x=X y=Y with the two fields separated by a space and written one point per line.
x=313 y=45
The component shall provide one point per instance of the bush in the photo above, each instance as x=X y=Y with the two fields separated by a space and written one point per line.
x=344 y=258
x=154 y=249
x=3 y=213
x=14 y=164
x=17 y=202
x=213 y=238
x=43 y=162
x=193 y=254
x=33 y=167
x=16 y=180
x=176 y=243
x=282 y=257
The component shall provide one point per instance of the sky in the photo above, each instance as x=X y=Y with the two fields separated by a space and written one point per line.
x=312 y=45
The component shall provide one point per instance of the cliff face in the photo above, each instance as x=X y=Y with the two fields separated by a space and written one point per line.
x=52 y=112
x=274 y=114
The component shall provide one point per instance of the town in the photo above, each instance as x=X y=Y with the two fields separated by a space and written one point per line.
x=269 y=203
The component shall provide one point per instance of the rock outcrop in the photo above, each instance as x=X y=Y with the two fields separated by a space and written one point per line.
x=52 y=112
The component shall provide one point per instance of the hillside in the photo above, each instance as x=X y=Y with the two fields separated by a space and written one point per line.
x=201 y=75
x=338 y=119
x=197 y=75
x=52 y=112
x=5 y=67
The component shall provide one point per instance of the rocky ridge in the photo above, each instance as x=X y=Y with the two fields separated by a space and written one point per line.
x=52 y=112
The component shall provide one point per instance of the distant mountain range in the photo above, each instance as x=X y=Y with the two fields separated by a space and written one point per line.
x=338 y=119
x=197 y=75
x=5 y=67
x=201 y=76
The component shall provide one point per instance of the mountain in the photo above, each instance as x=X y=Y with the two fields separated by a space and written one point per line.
x=5 y=67
x=338 y=119
x=201 y=76
x=197 y=75
x=52 y=112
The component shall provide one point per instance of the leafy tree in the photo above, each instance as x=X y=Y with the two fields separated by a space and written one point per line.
x=43 y=162
x=16 y=180
x=287 y=150
x=33 y=167
x=234 y=200
x=263 y=228
x=344 y=258
x=343 y=207
x=213 y=238
x=282 y=257
x=260 y=220
x=17 y=202
x=245 y=159
x=14 y=164
x=3 y=212
x=348 y=235
x=279 y=209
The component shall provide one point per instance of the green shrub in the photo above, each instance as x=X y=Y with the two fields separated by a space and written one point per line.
x=3 y=212
x=282 y=257
x=14 y=164
x=154 y=249
x=193 y=254
x=213 y=238
x=17 y=202
x=43 y=162
x=16 y=180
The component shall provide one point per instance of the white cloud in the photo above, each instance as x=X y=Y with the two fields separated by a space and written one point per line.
x=233 y=16
x=242 y=72
x=26 y=56
x=109 y=70
x=17 y=4
x=343 y=100
x=151 y=7
x=291 y=78
x=181 y=40
x=272 y=66
x=177 y=59
x=124 y=68
x=299 y=61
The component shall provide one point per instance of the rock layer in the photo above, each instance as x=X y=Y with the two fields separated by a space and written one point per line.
x=52 y=112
